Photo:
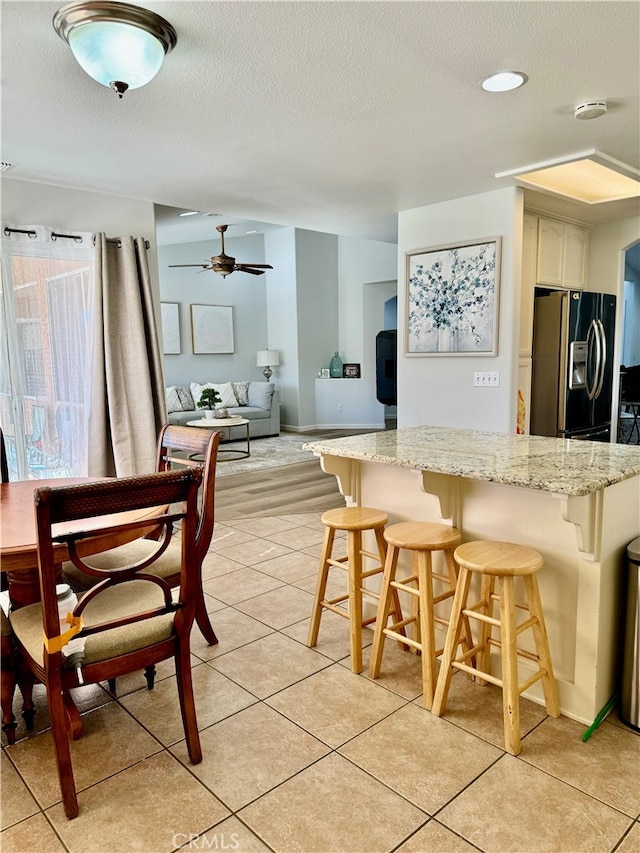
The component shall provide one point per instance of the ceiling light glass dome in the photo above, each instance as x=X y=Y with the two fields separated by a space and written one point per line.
x=119 y=45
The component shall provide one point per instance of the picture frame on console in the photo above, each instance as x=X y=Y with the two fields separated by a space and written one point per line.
x=351 y=371
x=453 y=298
x=212 y=329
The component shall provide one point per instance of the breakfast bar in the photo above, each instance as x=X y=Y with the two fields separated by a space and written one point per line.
x=576 y=502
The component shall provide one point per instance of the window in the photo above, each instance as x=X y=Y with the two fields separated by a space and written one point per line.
x=44 y=360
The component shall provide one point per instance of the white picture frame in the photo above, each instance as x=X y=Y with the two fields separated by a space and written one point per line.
x=453 y=298
x=170 y=316
x=212 y=329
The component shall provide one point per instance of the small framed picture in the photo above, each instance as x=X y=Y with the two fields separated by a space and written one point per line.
x=324 y=373
x=351 y=371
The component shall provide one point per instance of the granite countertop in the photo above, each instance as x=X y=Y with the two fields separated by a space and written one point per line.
x=568 y=467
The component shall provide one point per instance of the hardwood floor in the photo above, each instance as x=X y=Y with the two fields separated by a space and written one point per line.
x=303 y=487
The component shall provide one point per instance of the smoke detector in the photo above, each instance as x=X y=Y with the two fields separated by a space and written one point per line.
x=591 y=109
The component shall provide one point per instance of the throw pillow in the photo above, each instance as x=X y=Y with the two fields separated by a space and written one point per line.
x=179 y=399
x=225 y=390
x=241 y=390
x=260 y=394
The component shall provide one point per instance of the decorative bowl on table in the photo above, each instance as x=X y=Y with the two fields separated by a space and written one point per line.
x=221 y=412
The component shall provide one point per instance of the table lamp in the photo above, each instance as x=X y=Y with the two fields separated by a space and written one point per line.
x=267 y=358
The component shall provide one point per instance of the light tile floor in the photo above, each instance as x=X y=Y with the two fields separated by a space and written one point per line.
x=300 y=754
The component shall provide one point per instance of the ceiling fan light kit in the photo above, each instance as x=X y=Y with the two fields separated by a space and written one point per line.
x=224 y=265
x=119 y=45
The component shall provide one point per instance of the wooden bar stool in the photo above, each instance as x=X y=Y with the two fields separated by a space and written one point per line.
x=422 y=539
x=355 y=520
x=503 y=561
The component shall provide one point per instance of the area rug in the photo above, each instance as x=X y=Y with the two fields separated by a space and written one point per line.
x=283 y=449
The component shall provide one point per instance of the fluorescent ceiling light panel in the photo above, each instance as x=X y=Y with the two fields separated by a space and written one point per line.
x=590 y=177
x=188 y=213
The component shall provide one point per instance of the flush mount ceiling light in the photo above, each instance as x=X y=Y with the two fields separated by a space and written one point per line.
x=119 y=45
x=590 y=177
x=504 y=81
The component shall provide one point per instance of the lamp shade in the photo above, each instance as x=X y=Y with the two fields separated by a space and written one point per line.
x=268 y=358
x=119 y=45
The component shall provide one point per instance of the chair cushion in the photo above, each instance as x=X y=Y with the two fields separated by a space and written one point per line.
x=5 y=625
x=133 y=552
x=127 y=598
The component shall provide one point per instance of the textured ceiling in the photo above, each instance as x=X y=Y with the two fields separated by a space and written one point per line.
x=331 y=116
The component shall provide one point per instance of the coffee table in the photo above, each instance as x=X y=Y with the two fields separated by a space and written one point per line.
x=228 y=424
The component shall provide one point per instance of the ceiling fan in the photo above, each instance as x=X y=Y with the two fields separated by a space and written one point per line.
x=224 y=264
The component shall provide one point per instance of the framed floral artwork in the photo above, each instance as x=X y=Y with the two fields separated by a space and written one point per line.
x=453 y=298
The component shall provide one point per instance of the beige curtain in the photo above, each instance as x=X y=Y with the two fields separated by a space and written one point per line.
x=127 y=385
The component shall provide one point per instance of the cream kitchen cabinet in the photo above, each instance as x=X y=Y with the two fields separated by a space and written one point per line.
x=562 y=254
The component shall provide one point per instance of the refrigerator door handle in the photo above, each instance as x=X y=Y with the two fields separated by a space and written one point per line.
x=603 y=357
x=593 y=338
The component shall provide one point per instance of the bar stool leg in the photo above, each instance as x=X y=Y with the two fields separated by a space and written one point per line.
x=384 y=606
x=355 y=598
x=466 y=636
x=451 y=643
x=427 y=633
x=321 y=586
x=483 y=658
x=541 y=640
x=397 y=610
x=510 y=693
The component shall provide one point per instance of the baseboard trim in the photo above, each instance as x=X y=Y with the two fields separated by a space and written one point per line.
x=377 y=426
x=312 y=427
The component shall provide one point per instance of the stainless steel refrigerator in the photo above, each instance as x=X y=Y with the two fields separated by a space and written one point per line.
x=573 y=336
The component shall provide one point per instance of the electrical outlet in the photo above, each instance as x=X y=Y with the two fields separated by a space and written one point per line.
x=487 y=379
x=339 y=407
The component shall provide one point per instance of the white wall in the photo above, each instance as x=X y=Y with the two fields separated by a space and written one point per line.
x=360 y=263
x=246 y=294
x=439 y=390
x=317 y=313
x=605 y=273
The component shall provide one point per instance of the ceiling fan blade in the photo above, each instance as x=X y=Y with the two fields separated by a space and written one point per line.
x=257 y=266
x=249 y=269
x=203 y=266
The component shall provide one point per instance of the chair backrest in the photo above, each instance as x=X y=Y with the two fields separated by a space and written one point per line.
x=67 y=504
x=4 y=467
x=194 y=441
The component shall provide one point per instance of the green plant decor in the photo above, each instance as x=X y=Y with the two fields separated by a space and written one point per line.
x=209 y=399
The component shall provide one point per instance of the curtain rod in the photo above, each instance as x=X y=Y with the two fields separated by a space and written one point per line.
x=118 y=242
x=8 y=231
x=54 y=236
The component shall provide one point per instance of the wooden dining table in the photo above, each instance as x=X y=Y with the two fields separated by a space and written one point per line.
x=19 y=546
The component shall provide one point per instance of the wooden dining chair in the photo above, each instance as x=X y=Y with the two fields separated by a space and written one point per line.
x=128 y=618
x=190 y=442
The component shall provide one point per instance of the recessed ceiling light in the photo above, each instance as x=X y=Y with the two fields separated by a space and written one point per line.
x=188 y=213
x=252 y=232
x=504 y=81
x=590 y=177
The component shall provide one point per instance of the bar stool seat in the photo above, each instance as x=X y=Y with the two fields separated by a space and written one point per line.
x=422 y=539
x=502 y=562
x=355 y=521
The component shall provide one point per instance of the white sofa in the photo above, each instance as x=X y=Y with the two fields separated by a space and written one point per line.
x=258 y=402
